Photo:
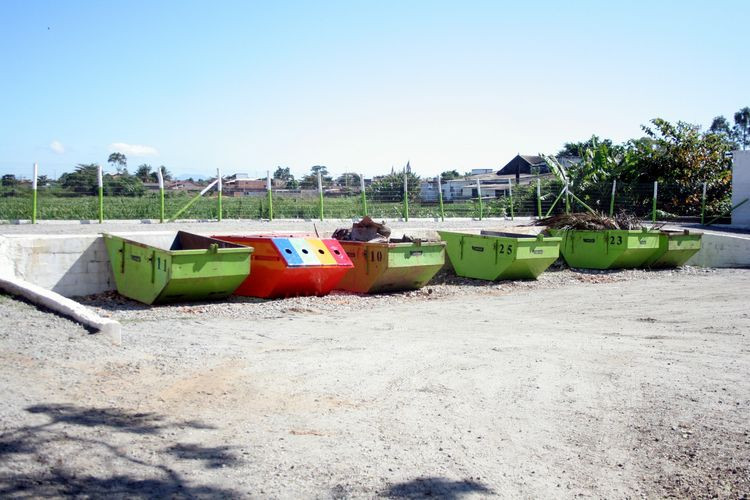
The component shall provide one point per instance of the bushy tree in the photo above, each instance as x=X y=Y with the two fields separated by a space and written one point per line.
x=449 y=175
x=83 y=180
x=741 y=128
x=9 y=180
x=143 y=172
x=349 y=180
x=578 y=148
x=310 y=181
x=391 y=187
x=119 y=161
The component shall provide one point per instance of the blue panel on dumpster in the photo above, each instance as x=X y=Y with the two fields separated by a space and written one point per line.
x=288 y=251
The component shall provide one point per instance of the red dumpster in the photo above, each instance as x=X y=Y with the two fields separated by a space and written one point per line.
x=285 y=266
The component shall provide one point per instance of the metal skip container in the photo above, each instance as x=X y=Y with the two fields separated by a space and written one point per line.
x=498 y=255
x=179 y=267
x=675 y=248
x=391 y=266
x=287 y=266
x=607 y=248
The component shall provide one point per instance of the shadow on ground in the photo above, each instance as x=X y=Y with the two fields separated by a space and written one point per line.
x=45 y=460
x=435 y=487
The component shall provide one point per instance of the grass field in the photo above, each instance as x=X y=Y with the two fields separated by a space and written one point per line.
x=147 y=207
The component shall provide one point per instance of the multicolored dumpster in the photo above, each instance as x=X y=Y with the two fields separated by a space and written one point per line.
x=499 y=255
x=286 y=266
x=607 y=248
x=184 y=267
x=675 y=248
x=393 y=266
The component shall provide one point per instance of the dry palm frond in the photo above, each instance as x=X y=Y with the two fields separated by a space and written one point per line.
x=589 y=221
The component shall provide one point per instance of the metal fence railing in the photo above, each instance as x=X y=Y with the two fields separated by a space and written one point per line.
x=421 y=199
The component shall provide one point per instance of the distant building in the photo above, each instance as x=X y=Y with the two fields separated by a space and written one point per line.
x=533 y=165
x=184 y=186
x=522 y=169
x=240 y=184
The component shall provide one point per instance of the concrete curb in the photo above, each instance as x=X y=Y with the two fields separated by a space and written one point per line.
x=67 y=307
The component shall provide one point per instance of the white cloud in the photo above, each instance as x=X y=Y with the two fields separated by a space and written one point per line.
x=133 y=149
x=57 y=147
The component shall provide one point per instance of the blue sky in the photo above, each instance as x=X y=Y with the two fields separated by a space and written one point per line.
x=356 y=86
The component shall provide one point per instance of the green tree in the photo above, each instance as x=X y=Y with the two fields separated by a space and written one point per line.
x=143 y=172
x=348 y=180
x=449 y=174
x=742 y=127
x=720 y=125
x=310 y=181
x=391 y=187
x=283 y=173
x=123 y=185
x=119 y=161
x=83 y=180
x=9 y=180
x=577 y=148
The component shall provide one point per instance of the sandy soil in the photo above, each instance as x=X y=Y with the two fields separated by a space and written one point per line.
x=606 y=385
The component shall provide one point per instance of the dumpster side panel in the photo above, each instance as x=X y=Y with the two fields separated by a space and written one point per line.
x=532 y=258
x=607 y=249
x=291 y=267
x=675 y=249
x=472 y=256
x=387 y=267
x=134 y=267
x=640 y=246
x=205 y=276
x=588 y=249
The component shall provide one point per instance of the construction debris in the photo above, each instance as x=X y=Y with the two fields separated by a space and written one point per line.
x=364 y=230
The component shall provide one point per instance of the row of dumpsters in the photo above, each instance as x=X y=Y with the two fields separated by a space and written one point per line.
x=197 y=268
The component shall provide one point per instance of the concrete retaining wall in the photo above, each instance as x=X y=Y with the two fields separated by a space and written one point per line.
x=722 y=250
x=71 y=265
x=741 y=187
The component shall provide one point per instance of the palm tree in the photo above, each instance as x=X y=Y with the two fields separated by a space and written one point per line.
x=119 y=161
x=144 y=172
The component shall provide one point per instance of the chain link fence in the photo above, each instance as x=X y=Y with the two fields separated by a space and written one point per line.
x=531 y=198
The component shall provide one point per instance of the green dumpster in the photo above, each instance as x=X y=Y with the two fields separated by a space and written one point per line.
x=607 y=248
x=675 y=248
x=389 y=267
x=495 y=255
x=182 y=267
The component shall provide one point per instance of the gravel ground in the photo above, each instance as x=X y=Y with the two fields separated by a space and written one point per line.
x=611 y=384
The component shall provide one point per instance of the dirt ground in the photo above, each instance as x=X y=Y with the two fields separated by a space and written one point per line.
x=630 y=384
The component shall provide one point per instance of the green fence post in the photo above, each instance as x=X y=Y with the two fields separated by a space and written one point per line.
x=160 y=176
x=406 y=196
x=479 y=199
x=320 y=194
x=364 y=194
x=510 y=193
x=33 y=193
x=440 y=198
x=270 y=195
x=219 y=189
x=100 y=181
x=703 y=204
x=539 y=197
x=653 y=206
x=612 y=199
